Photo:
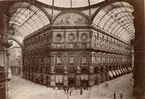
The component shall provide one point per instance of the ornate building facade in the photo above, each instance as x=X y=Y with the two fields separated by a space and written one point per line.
x=73 y=50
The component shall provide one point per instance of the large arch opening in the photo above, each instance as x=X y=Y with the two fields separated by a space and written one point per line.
x=15 y=58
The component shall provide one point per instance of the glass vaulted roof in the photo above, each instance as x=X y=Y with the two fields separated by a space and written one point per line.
x=26 y=18
x=70 y=3
x=116 y=19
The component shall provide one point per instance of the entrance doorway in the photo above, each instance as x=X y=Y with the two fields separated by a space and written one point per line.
x=71 y=80
x=84 y=81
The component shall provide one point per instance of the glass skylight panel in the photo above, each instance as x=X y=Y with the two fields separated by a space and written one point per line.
x=26 y=31
x=95 y=1
x=86 y=12
x=45 y=21
x=29 y=28
x=106 y=18
x=25 y=16
x=113 y=26
x=40 y=14
x=49 y=2
x=122 y=33
x=39 y=23
x=49 y=11
x=33 y=24
x=18 y=15
x=102 y=22
x=62 y=3
x=80 y=3
x=70 y=3
x=21 y=30
x=115 y=30
x=109 y=23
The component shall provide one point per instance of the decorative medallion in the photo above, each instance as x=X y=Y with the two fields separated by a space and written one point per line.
x=84 y=37
x=71 y=37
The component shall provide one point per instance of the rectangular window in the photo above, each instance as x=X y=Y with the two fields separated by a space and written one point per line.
x=84 y=59
x=58 y=60
x=71 y=60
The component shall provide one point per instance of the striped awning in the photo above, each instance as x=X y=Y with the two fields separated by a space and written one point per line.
x=113 y=72
x=84 y=77
x=110 y=73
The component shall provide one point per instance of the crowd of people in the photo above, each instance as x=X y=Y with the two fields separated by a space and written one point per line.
x=69 y=89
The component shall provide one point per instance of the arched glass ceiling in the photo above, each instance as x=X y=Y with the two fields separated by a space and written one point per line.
x=26 y=18
x=70 y=3
x=117 y=20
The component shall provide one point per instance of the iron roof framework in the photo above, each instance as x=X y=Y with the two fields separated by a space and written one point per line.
x=27 y=18
x=116 y=19
x=70 y=3
x=113 y=18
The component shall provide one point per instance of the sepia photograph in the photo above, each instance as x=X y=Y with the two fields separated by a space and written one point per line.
x=72 y=49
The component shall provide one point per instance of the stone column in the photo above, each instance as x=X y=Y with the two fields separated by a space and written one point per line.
x=52 y=76
x=78 y=79
x=65 y=83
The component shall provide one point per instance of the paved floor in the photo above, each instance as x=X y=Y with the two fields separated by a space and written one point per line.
x=20 y=88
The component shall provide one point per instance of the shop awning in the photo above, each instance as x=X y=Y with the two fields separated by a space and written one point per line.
x=113 y=72
x=110 y=73
x=119 y=71
x=126 y=70
x=59 y=79
x=116 y=72
x=122 y=71
x=84 y=77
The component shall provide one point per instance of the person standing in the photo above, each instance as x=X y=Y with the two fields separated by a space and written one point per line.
x=81 y=91
x=121 y=96
x=114 y=95
x=70 y=92
x=67 y=89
